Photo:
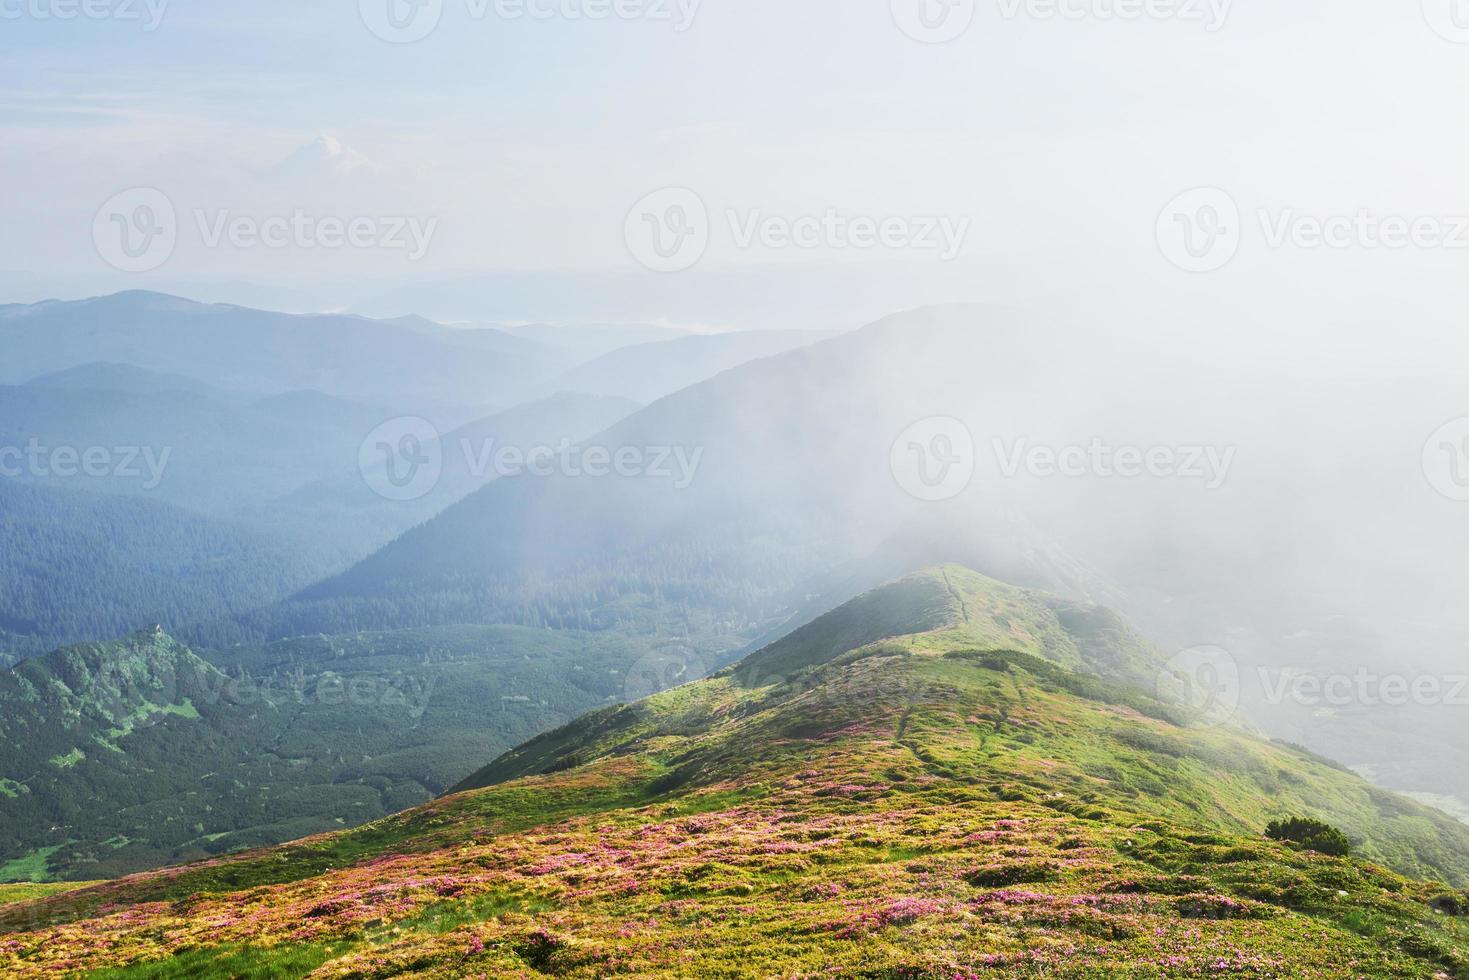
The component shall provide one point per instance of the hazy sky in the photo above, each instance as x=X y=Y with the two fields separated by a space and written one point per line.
x=522 y=143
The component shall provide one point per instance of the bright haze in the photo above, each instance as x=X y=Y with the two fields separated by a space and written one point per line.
x=528 y=139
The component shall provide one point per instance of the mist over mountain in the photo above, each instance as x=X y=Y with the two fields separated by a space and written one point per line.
x=349 y=500
x=804 y=440
x=650 y=371
x=588 y=341
x=794 y=497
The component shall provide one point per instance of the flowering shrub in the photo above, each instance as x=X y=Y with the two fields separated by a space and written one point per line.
x=1215 y=907
x=1020 y=872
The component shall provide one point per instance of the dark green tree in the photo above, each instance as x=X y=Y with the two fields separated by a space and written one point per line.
x=1313 y=835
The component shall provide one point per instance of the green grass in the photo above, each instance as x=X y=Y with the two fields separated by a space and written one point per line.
x=226 y=963
x=67 y=760
x=914 y=808
x=30 y=868
x=26 y=891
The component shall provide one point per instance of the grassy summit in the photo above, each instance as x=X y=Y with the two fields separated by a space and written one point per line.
x=947 y=778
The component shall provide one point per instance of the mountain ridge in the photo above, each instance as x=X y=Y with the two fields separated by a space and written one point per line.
x=913 y=808
x=240 y=348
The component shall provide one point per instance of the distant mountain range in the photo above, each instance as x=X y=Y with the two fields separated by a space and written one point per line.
x=404 y=364
x=133 y=380
x=189 y=447
x=255 y=424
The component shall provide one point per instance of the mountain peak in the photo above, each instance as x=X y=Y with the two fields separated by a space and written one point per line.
x=149 y=652
x=326 y=157
x=951 y=604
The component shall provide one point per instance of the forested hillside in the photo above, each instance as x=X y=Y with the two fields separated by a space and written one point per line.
x=126 y=755
x=79 y=566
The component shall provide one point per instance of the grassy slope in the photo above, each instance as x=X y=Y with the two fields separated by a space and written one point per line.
x=915 y=807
